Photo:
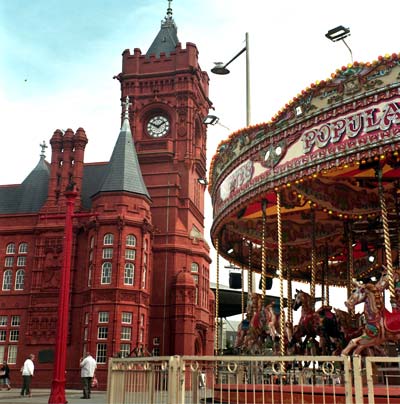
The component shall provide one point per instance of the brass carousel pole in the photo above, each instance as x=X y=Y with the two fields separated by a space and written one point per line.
x=313 y=257
x=326 y=275
x=280 y=268
x=249 y=273
x=350 y=261
x=386 y=238
x=263 y=249
x=289 y=297
x=217 y=299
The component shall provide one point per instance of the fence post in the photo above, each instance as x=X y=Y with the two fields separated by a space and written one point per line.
x=176 y=391
x=348 y=380
x=370 y=380
x=358 y=384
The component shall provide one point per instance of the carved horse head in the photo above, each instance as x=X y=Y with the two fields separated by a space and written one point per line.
x=302 y=299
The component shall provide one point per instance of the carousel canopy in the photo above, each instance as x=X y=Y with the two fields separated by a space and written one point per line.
x=331 y=155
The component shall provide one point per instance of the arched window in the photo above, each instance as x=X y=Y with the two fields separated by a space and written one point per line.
x=106 y=270
x=10 y=248
x=108 y=239
x=130 y=240
x=129 y=274
x=90 y=275
x=7 y=279
x=19 y=279
x=23 y=248
x=194 y=269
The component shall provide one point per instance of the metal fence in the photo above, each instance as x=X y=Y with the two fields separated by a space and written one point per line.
x=251 y=379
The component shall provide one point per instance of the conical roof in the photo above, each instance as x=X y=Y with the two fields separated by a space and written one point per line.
x=123 y=171
x=33 y=190
x=167 y=38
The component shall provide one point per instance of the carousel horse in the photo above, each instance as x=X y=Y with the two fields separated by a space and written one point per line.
x=260 y=327
x=322 y=323
x=380 y=324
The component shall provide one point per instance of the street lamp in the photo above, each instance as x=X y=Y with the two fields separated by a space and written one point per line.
x=57 y=394
x=339 y=34
x=221 y=69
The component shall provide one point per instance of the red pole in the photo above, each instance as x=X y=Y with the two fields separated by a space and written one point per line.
x=57 y=394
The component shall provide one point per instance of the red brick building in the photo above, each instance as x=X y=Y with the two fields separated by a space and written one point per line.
x=140 y=264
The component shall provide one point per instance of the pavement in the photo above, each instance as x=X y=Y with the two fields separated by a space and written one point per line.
x=41 y=396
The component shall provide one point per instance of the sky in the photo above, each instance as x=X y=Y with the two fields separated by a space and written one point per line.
x=59 y=58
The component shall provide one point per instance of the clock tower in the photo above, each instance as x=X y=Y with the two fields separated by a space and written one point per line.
x=169 y=96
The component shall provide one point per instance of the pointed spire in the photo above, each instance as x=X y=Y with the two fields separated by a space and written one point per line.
x=123 y=171
x=167 y=38
x=33 y=191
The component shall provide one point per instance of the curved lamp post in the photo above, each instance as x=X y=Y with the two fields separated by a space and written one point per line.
x=221 y=68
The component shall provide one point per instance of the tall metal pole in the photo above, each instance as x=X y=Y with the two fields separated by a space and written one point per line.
x=248 y=105
x=57 y=394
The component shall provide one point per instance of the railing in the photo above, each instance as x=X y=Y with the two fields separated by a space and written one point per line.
x=252 y=379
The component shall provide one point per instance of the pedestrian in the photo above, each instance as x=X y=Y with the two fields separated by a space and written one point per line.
x=27 y=373
x=5 y=375
x=88 y=366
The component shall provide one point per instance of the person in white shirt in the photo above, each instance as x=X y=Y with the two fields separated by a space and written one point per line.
x=88 y=366
x=27 y=373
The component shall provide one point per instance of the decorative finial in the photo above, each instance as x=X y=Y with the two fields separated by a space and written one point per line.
x=169 y=10
x=127 y=104
x=43 y=147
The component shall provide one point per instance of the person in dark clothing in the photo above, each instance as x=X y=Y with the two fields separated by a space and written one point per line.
x=5 y=376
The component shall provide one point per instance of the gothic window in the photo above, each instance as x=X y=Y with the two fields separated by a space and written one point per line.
x=130 y=254
x=129 y=274
x=126 y=317
x=101 y=353
x=7 y=279
x=21 y=261
x=145 y=257
x=130 y=240
x=19 y=279
x=103 y=316
x=12 y=354
x=9 y=262
x=106 y=273
x=107 y=253
x=108 y=239
x=23 y=248
x=125 y=350
x=14 y=335
x=90 y=274
x=102 y=333
x=194 y=269
x=126 y=333
x=10 y=248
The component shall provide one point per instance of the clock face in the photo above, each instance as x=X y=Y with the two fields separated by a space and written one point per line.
x=158 y=126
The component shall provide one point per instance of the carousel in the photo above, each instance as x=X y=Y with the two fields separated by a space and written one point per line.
x=313 y=196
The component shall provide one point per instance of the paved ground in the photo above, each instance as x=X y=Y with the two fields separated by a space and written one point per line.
x=41 y=396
